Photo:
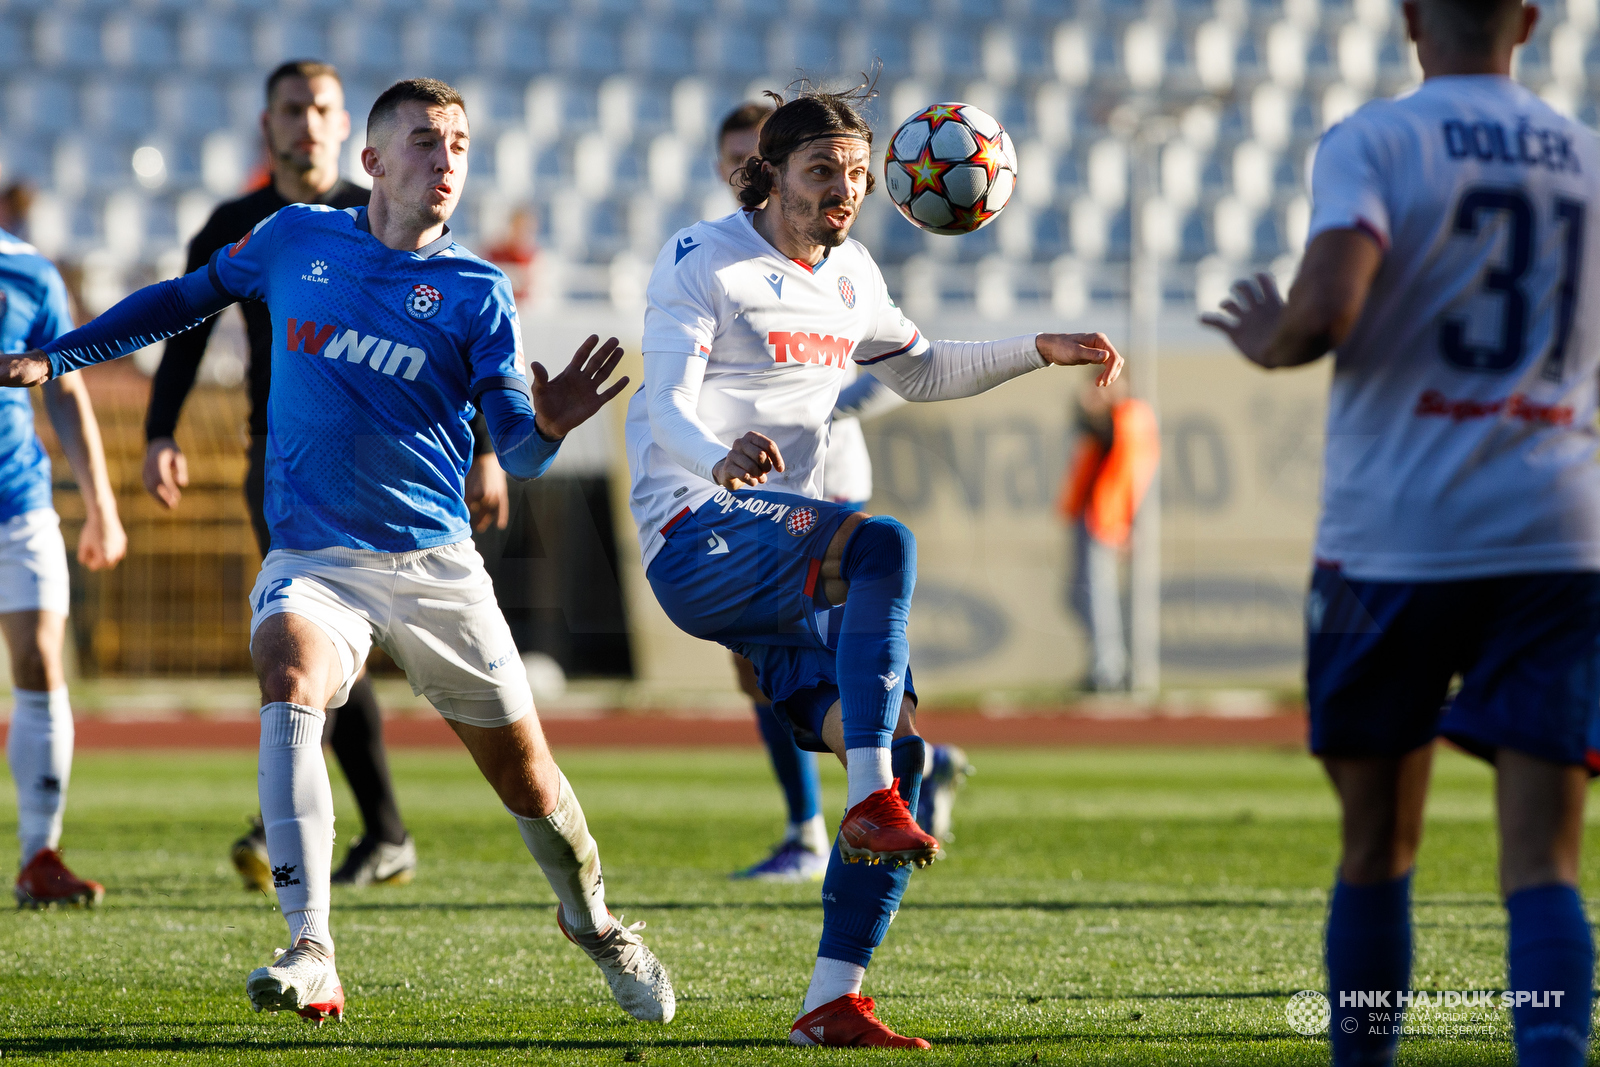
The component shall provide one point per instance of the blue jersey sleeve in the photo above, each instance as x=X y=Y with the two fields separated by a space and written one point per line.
x=524 y=452
x=242 y=269
x=152 y=314
x=55 y=312
x=494 y=344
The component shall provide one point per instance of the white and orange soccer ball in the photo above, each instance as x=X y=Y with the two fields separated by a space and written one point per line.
x=950 y=168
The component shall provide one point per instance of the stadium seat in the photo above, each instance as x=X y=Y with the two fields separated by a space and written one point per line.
x=360 y=43
x=1271 y=115
x=137 y=41
x=66 y=40
x=1001 y=61
x=1180 y=173
x=1286 y=55
x=518 y=47
x=117 y=105
x=1107 y=173
x=187 y=104
x=1073 y=54
x=1089 y=225
x=278 y=37
x=1254 y=174
x=1054 y=114
x=660 y=48
x=667 y=166
x=1215 y=49
x=212 y=40
x=1358 y=55
x=443 y=47
x=1038 y=161
x=1233 y=228
x=1144 y=54
x=1569 y=44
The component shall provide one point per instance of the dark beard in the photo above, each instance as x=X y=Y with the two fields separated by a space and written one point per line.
x=802 y=218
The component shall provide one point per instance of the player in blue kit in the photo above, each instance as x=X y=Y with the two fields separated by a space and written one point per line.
x=387 y=336
x=33 y=571
x=1452 y=269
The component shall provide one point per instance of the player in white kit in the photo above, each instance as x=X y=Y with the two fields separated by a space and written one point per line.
x=1452 y=270
x=750 y=324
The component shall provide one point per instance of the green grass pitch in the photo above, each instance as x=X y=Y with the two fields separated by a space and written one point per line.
x=1105 y=907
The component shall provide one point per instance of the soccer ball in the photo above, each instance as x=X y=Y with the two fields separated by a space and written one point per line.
x=950 y=168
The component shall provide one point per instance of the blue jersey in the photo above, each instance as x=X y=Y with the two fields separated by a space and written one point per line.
x=33 y=312
x=377 y=358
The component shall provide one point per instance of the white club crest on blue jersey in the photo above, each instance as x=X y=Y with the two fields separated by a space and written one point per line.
x=423 y=302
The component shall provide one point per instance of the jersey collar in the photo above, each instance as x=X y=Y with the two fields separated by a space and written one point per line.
x=748 y=218
x=434 y=247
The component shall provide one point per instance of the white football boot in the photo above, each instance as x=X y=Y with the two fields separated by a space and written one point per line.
x=637 y=979
x=301 y=980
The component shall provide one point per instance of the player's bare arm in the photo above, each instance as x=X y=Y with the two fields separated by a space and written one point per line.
x=21 y=371
x=102 y=542
x=1324 y=303
x=562 y=403
x=1082 y=349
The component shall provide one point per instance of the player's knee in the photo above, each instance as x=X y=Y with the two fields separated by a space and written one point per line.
x=30 y=666
x=881 y=546
x=291 y=683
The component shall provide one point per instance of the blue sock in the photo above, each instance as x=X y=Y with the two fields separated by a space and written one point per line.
x=796 y=768
x=1369 y=952
x=1552 y=961
x=858 y=901
x=880 y=563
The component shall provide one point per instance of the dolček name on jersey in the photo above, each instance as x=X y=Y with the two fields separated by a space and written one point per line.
x=1527 y=145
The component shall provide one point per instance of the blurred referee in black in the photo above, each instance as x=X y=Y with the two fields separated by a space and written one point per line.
x=305 y=125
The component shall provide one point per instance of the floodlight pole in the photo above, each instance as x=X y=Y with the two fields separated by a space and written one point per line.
x=1145 y=134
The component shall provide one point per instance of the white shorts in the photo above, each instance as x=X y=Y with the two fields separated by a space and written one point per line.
x=33 y=563
x=433 y=610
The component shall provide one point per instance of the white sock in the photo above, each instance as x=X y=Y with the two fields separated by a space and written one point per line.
x=562 y=846
x=812 y=834
x=39 y=750
x=297 y=811
x=831 y=980
x=867 y=771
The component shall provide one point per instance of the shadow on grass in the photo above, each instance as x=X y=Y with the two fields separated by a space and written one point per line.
x=135 y=1043
x=155 y=904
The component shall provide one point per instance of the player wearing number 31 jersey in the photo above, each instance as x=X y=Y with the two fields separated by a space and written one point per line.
x=1453 y=269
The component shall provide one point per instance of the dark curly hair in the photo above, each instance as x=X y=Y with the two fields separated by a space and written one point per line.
x=812 y=113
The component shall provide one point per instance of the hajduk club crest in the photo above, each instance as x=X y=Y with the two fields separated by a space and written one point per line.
x=847 y=292
x=801 y=521
x=423 y=302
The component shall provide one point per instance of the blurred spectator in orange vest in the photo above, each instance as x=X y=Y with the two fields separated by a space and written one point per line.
x=516 y=253
x=1117 y=452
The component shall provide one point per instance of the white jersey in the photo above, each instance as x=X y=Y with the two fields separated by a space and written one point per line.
x=1461 y=422
x=777 y=338
x=847 y=468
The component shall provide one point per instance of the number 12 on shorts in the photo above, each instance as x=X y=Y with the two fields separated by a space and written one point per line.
x=274 y=592
x=1506 y=281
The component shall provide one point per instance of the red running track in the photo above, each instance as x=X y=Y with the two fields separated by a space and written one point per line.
x=967 y=730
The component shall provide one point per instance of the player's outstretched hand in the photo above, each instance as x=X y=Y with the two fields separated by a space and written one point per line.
x=29 y=368
x=748 y=462
x=562 y=403
x=1081 y=349
x=1251 y=316
x=488 y=498
x=166 y=472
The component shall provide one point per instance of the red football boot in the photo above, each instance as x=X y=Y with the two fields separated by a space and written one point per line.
x=848 y=1023
x=880 y=829
x=46 y=881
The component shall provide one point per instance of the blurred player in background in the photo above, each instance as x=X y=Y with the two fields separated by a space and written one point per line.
x=305 y=125
x=33 y=569
x=518 y=253
x=1117 y=453
x=375 y=374
x=750 y=322
x=802 y=855
x=1452 y=269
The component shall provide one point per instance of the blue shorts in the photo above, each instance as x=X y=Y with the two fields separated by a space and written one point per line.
x=1381 y=656
x=744 y=570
